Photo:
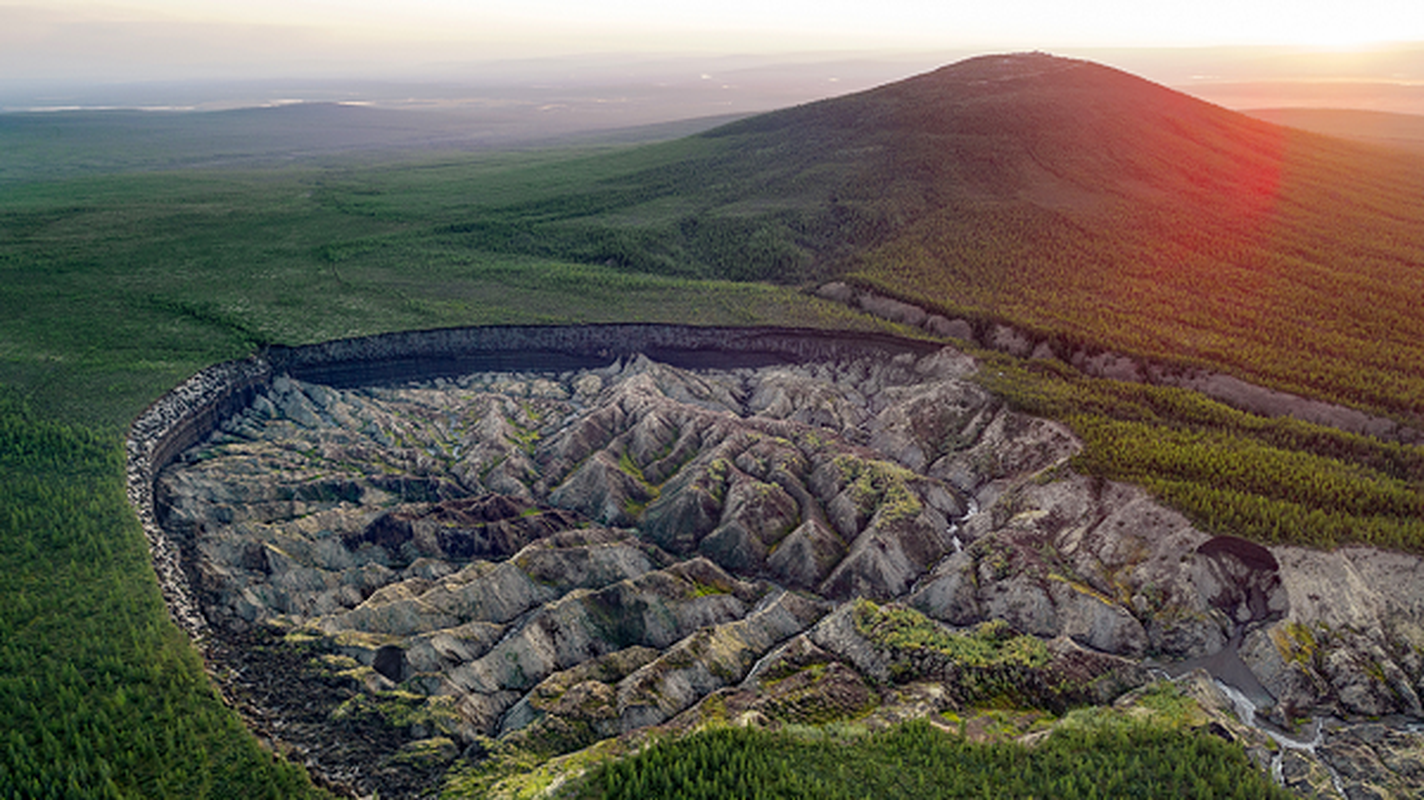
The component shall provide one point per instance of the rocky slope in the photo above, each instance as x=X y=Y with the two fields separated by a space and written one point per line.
x=396 y=579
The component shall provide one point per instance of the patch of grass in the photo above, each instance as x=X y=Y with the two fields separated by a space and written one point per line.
x=880 y=487
x=988 y=644
x=1295 y=642
x=400 y=709
x=517 y=774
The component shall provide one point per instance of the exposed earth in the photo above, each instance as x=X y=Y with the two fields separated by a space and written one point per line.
x=398 y=579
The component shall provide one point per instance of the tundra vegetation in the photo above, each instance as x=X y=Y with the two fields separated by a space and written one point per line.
x=116 y=286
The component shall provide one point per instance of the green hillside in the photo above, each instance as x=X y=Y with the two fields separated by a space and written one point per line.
x=1170 y=228
x=1063 y=196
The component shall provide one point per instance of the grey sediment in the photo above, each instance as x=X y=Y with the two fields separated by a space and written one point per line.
x=192 y=410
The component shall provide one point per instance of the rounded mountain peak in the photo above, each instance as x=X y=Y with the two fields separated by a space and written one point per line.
x=1031 y=126
x=1007 y=66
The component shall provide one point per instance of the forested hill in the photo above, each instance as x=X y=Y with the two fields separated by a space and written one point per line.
x=1063 y=196
x=1054 y=132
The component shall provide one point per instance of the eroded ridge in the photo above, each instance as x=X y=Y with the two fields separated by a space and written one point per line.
x=399 y=578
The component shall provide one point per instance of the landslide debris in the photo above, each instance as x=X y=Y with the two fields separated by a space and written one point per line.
x=402 y=579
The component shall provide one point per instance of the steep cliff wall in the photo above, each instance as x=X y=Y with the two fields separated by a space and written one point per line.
x=174 y=422
x=417 y=355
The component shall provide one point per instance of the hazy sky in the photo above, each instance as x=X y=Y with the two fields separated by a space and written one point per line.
x=125 y=40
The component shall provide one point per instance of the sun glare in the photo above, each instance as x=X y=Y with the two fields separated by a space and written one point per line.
x=1334 y=31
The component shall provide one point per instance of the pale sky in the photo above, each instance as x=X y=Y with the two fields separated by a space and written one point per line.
x=130 y=40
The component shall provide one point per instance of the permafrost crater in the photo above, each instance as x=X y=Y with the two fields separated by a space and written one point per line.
x=387 y=578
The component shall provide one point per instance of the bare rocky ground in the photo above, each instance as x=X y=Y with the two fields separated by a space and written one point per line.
x=399 y=579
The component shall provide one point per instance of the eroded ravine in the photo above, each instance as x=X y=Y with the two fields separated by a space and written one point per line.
x=393 y=578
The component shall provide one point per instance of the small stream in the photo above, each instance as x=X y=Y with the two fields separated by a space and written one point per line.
x=971 y=507
x=1246 y=712
x=1246 y=693
x=953 y=531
